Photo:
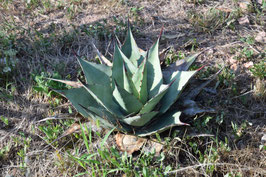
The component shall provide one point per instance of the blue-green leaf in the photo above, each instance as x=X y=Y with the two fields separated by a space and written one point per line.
x=131 y=68
x=189 y=61
x=140 y=120
x=119 y=73
x=107 y=120
x=150 y=105
x=128 y=102
x=130 y=48
x=154 y=72
x=103 y=96
x=179 y=79
x=179 y=65
x=95 y=73
x=140 y=82
x=161 y=124
x=80 y=99
x=79 y=96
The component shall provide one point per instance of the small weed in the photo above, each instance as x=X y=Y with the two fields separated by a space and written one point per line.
x=258 y=70
x=120 y=26
x=5 y=3
x=206 y=72
x=4 y=152
x=211 y=20
x=233 y=174
x=53 y=130
x=44 y=85
x=227 y=79
x=7 y=93
x=246 y=54
x=210 y=154
x=8 y=60
x=202 y=123
x=259 y=10
x=249 y=40
x=25 y=142
x=172 y=57
x=239 y=130
x=135 y=15
x=99 y=30
x=114 y=162
x=4 y=120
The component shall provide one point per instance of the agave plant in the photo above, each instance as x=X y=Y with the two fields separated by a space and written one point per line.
x=131 y=93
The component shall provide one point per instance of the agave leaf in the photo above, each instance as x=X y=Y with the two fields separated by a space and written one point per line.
x=103 y=96
x=166 y=121
x=107 y=120
x=140 y=82
x=154 y=72
x=193 y=93
x=121 y=57
x=180 y=79
x=101 y=112
x=140 y=60
x=119 y=73
x=133 y=88
x=97 y=114
x=130 y=48
x=150 y=105
x=180 y=65
x=95 y=73
x=128 y=102
x=140 y=120
x=189 y=61
x=79 y=96
x=191 y=108
x=80 y=99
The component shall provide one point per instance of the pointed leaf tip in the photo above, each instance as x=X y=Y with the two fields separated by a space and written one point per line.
x=169 y=120
x=128 y=24
x=130 y=48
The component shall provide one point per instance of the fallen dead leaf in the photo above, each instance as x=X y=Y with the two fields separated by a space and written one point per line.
x=74 y=127
x=261 y=37
x=153 y=145
x=70 y=83
x=243 y=20
x=129 y=143
x=248 y=64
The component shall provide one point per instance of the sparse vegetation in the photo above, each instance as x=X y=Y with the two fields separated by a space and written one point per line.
x=41 y=39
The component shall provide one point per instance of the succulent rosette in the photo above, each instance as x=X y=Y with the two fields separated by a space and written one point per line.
x=130 y=94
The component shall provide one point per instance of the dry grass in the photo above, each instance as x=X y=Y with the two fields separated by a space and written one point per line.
x=45 y=36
